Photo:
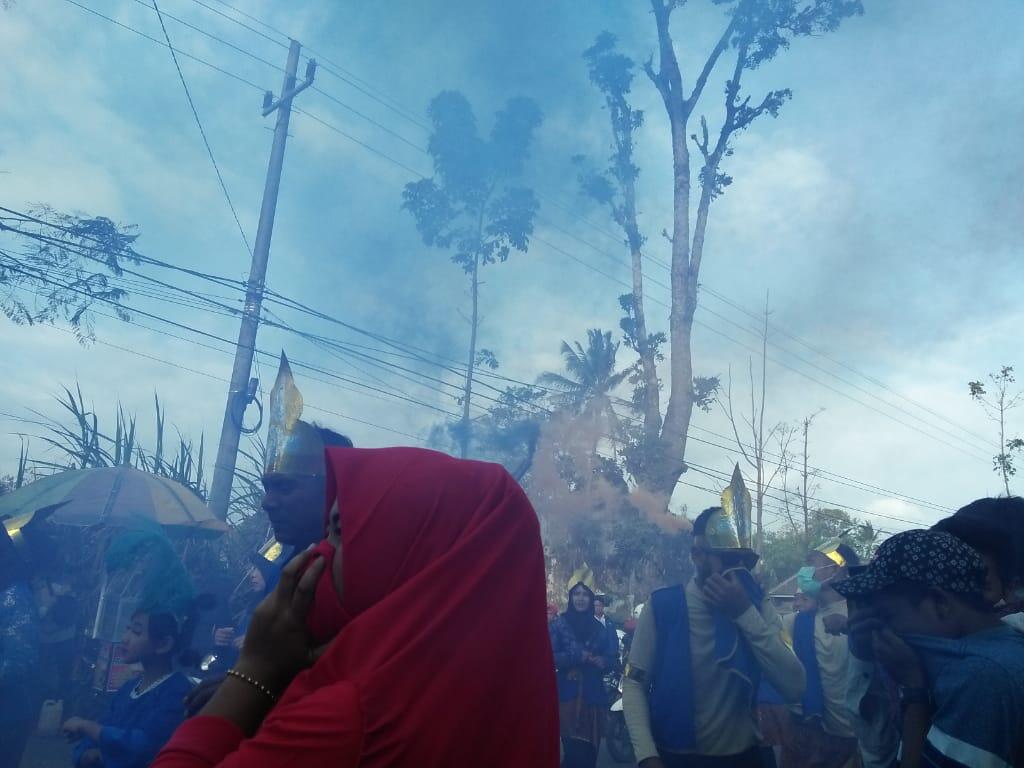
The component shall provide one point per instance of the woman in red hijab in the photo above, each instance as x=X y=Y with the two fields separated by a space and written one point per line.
x=431 y=584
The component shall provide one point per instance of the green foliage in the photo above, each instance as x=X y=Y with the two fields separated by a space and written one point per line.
x=52 y=275
x=591 y=375
x=507 y=433
x=613 y=186
x=82 y=444
x=997 y=403
x=470 y=206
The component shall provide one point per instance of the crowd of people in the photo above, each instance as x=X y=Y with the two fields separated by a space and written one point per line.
x=402 y=623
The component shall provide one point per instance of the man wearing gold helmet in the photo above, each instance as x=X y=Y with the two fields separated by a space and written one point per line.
x=294 y=491
x=700 y=651
x=821 y=730
x=294 y=473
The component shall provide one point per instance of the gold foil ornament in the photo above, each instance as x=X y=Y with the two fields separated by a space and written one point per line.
x=293 y=446
x=582 y=575
x=729 y=527
x=831 y=550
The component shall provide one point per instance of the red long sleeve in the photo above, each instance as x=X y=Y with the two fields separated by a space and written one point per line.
x=322 y=728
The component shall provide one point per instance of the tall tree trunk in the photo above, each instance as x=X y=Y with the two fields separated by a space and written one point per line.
x=474 y=323
x=667 y=456
x=649 y=369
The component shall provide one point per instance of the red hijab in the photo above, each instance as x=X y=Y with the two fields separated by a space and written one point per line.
x=441 y=629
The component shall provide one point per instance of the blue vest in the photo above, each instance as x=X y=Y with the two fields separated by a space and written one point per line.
x=671 y=697
x=813 y=702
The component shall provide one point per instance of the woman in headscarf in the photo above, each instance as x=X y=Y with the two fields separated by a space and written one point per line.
x=421 y=666
x=584 y=652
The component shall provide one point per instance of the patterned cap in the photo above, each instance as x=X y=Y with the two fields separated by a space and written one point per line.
x=932 y=558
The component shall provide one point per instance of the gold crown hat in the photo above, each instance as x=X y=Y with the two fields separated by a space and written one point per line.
x=16 y=525
x=729 y=528
x=582 y=575
x=293 y=446
x=830 y=549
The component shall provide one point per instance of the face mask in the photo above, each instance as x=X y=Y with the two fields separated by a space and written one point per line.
x=806 y=581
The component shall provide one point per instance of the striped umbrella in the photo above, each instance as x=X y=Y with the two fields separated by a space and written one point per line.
x=112 y=496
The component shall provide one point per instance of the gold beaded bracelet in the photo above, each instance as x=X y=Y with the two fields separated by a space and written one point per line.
x=253 y=682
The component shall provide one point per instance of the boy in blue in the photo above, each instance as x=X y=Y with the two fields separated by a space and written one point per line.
x=920 y=610
x=146 y=711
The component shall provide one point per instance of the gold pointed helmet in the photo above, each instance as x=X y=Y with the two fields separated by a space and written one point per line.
x=582 y=575
x=728 y=528
x=830 y=549
x=293 y=446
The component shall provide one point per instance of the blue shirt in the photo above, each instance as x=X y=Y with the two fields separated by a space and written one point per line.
x=19 y=653
x=134 y=730
x=978 y=688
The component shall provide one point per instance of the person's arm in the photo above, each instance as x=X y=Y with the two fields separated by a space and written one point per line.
x=635 y=685
x=323 y=728
x=763 y=631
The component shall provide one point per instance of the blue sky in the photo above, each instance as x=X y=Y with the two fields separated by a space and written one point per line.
x=881 y=211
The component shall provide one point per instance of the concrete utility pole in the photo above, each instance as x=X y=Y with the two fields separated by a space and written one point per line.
x=242 y=390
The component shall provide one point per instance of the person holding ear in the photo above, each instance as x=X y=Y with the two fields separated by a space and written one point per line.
x=700 y=652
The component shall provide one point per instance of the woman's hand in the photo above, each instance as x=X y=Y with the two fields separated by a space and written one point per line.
x=277 y=645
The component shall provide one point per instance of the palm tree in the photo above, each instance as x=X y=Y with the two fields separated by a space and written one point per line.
x=591 y=379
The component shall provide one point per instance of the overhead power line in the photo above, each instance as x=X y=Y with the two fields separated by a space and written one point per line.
x=202 y=131
x=457 y=368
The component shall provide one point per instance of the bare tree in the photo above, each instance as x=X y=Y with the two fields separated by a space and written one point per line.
x=755 y=451
x=807 y=475
x=1003 y=398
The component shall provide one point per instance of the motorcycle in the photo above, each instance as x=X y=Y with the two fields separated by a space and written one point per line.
x=620 y=746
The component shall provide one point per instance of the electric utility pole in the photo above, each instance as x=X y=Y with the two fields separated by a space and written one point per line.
x=242 y=390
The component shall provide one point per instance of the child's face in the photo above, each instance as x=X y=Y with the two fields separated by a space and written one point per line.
x=136 y=642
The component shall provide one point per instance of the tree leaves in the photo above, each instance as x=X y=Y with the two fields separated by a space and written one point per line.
x=64 y=263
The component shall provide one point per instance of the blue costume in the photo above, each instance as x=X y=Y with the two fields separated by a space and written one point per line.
x=19 y=660
x=572 y=672
x=134 y=729
x=582 y=700
x=672 y=695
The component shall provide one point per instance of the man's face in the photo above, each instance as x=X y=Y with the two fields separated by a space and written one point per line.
x=904 y=616
x=825 y=570
x=295 y=505
x=994 y=588
x=598 y=608
x=705 y=560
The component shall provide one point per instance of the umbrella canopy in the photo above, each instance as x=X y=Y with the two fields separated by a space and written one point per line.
x=112 y=496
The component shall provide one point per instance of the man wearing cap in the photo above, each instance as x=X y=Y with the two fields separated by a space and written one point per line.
x=920 y=609
x=700 y=650
x=821 y=734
